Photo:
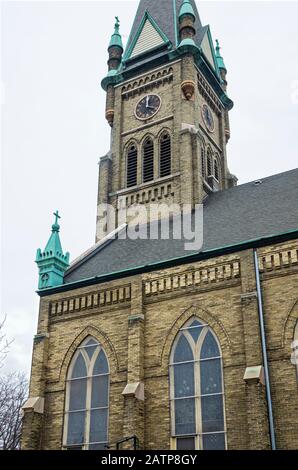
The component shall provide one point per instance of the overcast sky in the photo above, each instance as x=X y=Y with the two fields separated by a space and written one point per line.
x=53 y=56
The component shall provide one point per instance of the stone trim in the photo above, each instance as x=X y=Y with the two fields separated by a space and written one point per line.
x=289 y=328
x=95 y=300
x=206 y=92
x=213 y=322
x=35 y=404
x=153 y=193
x=170 y=117
x=278 y=260
x=145 y=186
x=200 y=277
x=104 y=341
x=148 y=82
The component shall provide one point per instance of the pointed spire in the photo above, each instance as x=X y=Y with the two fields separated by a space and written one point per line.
x=115 y=49
x=220 y=61
x=54 y=244
x=52 y=263
x=165 y=13
x=116 y=39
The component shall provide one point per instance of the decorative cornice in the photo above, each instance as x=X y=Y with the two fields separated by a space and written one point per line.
x=95 y=300
x=181 y=260
x=277 y=260
x=199 y=277
x=147 y=82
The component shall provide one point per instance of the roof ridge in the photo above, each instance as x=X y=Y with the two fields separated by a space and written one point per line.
x=260 y=179
x=95 y=248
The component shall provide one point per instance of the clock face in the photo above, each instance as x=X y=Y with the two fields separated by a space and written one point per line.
x=147 y=107
x=208 y=118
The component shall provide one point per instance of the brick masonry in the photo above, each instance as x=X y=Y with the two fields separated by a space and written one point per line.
x=182 y=118
x=137 y=319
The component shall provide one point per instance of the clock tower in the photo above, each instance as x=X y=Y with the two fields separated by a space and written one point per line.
x=167 y=106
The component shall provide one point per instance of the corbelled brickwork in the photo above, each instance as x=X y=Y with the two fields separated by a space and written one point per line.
x=136 y=321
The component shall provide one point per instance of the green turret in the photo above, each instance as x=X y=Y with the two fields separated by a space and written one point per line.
x=186 y=10
x=115 y=48
x=51 y=262
x=187 y=19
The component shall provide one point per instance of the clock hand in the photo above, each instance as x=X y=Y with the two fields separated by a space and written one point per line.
x=147 y=101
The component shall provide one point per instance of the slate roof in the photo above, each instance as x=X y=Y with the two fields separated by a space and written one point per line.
x=162 y=11
x=244 y=213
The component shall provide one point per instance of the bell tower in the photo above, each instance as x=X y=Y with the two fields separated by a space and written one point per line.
x=167 y=106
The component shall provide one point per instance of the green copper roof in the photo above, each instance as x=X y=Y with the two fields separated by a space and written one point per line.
x=116 y=40
x=54 y=244
x=219 y=59
x=186 y=9
x=52 y=262
x=187 y=42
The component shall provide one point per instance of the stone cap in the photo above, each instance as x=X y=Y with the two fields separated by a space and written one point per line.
x=134 y=390
x=35 y=404
x=254 y=375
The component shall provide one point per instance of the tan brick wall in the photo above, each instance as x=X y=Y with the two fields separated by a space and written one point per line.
x=137 y=333
x=186 y=185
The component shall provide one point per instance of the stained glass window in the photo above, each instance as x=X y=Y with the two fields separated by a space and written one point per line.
x=87 y=398
x=197 y=394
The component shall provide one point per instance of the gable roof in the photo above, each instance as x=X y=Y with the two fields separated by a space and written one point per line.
x=232 y=217
x=208 y=49
x=148 y=37
x=165 y=13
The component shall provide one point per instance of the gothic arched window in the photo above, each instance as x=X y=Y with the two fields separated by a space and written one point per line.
x=148 y=160
x=209 y=163
x=197 y=394
x=295 y=348
x=165 y=155
x=132 y=166
x=87 y=398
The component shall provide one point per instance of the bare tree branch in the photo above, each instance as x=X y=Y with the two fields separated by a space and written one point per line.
x=13 y=393
x=4 y=343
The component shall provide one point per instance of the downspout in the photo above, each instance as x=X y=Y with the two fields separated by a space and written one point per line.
x=264 y=351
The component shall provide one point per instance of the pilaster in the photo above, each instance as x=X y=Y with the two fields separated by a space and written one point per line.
x=257 y=414
x=33 y=409
x=134 y=391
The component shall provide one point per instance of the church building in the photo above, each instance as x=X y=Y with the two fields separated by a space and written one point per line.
x=142 y=343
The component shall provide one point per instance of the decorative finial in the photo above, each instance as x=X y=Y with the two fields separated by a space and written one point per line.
x=56 y=226
x=217 y=46
x=116 y=40
x=57 y=216
x=219 y=59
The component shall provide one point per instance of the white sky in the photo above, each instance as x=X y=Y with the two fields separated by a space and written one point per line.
x=53 y=56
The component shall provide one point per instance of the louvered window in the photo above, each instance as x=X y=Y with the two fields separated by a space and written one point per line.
x=209 y=163
x=132 y=166
x=203 y=163
x=216 y=170
x=165 y=163
x=148 y=161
